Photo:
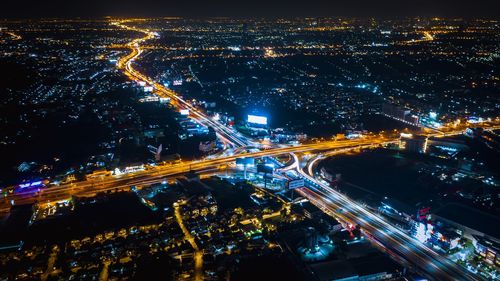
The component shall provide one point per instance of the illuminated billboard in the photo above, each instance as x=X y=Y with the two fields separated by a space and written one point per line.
x=255 y=119
x=245 y=161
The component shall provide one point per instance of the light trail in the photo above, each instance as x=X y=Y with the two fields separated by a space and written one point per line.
x=92 y=186
x=317 y=192
x=388 y=235
x=125 y=64
x=13 y=35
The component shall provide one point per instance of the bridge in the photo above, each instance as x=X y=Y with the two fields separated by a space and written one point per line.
x=376 y=228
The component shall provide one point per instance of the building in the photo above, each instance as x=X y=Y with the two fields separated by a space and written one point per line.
x=488 y=249
x=401 y=114
x=207 y=146
x=445 y=238
x=397 y=210
x=311 y=211
x=469 y=221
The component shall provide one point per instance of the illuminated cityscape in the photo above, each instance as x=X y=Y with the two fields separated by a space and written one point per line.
x=232 y=148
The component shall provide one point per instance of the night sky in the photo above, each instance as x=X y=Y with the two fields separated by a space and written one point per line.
x=248 y=8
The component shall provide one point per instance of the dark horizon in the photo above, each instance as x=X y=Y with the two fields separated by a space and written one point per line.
x=246 y=140
x=249 y=9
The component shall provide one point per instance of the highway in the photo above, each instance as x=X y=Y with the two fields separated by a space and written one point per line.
x=401 y=243
x=423 y=258
x=393 y=239
x=320 y=194
x=158 y=173
x=228 y=135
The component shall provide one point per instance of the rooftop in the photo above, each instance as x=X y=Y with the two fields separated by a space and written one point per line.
x=471 y=218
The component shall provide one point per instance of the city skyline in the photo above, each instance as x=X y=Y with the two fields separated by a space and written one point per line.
x=305 y=148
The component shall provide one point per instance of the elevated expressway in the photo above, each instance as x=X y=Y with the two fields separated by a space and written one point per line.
x=320 y=194
x=160 y=173
x=391 y=239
